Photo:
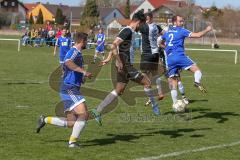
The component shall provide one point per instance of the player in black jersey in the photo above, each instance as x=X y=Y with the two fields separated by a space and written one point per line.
x=120 y=49
x=150 y=52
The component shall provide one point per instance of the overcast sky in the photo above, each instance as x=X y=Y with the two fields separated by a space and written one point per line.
x=204 y=3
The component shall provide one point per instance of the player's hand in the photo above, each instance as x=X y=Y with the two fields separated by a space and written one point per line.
x=104 y=62
x=209 y=28
x=88 y=75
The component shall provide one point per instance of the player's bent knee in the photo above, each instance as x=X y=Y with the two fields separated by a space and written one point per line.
x=70 y=123
x=194 y=68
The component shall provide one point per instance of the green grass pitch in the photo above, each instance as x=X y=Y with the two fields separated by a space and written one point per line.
x=130 y=131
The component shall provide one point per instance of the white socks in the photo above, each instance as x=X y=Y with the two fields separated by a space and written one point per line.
x=109 y=99
x=198 y=76
x=174 y=95
x=181 y=88
x=78 y=127
x=61 y=122
x=159 y=86
x=149 y=93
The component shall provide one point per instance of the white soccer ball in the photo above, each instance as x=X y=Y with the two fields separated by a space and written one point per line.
x=179 y=106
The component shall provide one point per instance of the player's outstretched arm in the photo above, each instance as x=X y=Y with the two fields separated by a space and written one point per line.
x=202 y=33
x=71 y=65
x=105 y=61
x=55 y=48
x=114 y=50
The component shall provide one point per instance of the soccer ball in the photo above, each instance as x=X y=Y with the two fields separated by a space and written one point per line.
x=179 y=106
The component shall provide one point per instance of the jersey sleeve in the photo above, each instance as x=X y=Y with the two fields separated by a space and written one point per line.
x=159 y=29
x=124 y=34
x=164 y=36
x=71 y=55
x=186 y=33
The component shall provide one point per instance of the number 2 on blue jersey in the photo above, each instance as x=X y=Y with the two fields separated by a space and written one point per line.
x=171 y=39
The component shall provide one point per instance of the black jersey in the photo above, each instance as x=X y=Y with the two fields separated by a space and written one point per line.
x=126 y=34
x=150 y=34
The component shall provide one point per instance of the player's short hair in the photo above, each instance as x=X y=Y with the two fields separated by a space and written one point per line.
x=80 y=36
x=139 y=16
x=174 y=18
x=149 y=14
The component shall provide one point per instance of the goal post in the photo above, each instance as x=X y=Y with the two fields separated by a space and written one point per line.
x=17 y=40
x=216 y=50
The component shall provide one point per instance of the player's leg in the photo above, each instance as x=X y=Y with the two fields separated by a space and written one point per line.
x=149 y=66
x=143 y=79
x=78 y=125
x=103 y=55
x=159 y=88
x=102 y=52
x=197 y=76
x=149 y=92
x=122 y=81
x=95 y=56
x=182 y=90
x=173 y=87
x=111 y=97
x=57 y=121
x=188 y=64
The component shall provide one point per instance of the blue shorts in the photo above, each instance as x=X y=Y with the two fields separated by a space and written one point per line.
x=71 y=97
x=61 y=59
x=100 y=49
x=176 y=62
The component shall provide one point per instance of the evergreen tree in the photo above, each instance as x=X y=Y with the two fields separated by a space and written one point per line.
x=40 y=17
x=90 y=14
x=31 y=21
x=59 y=17
x=127 y=9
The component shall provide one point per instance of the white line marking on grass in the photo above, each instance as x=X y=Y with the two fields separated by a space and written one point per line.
x=22 y=106
x=174 y=154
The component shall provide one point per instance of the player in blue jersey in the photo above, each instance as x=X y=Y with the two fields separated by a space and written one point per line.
x=74 y=103
x=64 y=44
x=176 y=57
x=100 y=45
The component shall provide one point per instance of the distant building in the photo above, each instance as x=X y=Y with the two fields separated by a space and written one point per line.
x=151 y=5
x=109 y=14
x=119 y=23
x=49 y=11
x=15 y=8
x=164 y=13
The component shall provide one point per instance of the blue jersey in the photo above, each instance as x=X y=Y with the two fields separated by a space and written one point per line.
x=64 y=44
x=174 y=39
x=71 y=77
x=100 y=39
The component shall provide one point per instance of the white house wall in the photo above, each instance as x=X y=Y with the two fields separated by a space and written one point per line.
x=145 y=5
x=114 y=24
x=110 y=17
x=22 y=12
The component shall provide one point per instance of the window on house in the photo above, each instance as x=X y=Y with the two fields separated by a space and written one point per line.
x=5 y=3
x=13 y=4
x=149 y=10
x=114 y=14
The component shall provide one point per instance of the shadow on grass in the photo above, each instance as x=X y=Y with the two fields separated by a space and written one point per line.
x=220 y=116
x=197 y=100
x=131 y=137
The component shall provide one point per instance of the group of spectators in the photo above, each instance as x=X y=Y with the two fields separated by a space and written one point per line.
x=43 y=36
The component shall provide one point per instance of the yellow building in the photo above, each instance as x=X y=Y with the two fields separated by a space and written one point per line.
x=48 y=10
